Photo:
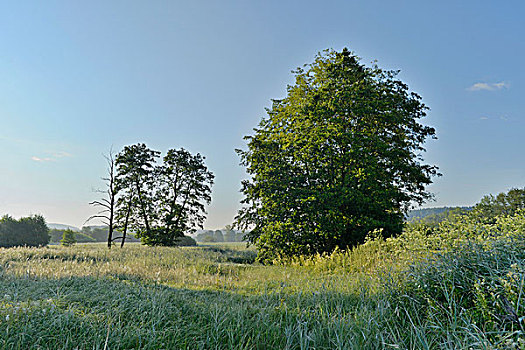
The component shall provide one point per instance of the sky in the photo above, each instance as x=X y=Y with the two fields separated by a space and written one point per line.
x=79 y=78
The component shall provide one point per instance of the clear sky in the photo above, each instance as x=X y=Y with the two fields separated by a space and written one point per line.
x=77 y=78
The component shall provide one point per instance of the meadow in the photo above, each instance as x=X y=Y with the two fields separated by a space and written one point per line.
x=458 y=287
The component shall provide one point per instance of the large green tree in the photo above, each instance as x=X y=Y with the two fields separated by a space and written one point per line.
x=339 y=156
x=161 y=202
x=182 y=188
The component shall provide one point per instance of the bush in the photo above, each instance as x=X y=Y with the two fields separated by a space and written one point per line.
x=185 y=241
x=81 y=237
x=68 y=238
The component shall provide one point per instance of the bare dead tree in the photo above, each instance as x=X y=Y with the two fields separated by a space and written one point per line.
x=108 y=204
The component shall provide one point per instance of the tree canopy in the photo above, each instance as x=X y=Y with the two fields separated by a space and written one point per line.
x=161 y=202
x=339 y=156
x=504 y=203
x=29 y=231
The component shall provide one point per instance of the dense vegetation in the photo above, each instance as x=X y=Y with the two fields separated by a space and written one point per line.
x=56 y=235
x=505 y=203
x=338 y=157
x=457 y=287
x=30 y=231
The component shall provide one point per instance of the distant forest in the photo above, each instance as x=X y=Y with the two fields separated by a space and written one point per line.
x=89 y=234
x=228 y=235
x=86 y=234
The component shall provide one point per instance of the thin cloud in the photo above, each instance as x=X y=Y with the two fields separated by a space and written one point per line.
x=62 y=154
x=53 y=158
x=488 y=87
x=501 y=85
x=501 y=117
x=37 y=159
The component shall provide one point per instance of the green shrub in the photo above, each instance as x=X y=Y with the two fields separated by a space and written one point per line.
x=185 y=241
x=68 y=238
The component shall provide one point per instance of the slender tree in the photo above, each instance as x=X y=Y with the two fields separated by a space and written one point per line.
x=124 y=213
x=135 y=169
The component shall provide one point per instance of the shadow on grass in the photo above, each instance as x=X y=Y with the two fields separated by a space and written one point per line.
x=106 y=313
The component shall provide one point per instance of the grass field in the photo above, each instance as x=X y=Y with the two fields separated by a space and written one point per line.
x=384 y=294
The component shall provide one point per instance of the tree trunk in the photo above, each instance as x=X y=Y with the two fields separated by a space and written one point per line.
x=145 y=216
x=125 y=226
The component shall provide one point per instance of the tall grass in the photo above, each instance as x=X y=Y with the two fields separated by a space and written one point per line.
x=451 y=289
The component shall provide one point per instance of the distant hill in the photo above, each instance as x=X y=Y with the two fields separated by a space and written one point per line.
x=62 y=227
x=95 y=233
x=433 y=214
x=56 y=226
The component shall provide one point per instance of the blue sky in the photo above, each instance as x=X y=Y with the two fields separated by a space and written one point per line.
x=77 y=78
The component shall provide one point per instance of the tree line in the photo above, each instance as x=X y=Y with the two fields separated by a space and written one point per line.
x=87 y=234
x=434 y=215
x=33 y=231
x=29 y=231
x=486 y=211
x=217 y=236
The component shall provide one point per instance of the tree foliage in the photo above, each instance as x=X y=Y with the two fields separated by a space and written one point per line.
x=229 y=235
x=504 y=203
x=161 y=202
x=29 y=231
x=183 y=187
x=81 y=237
x=185 y=241
x=339 y=156
x=434 y=216
x=68 y=238
x=135 y=181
